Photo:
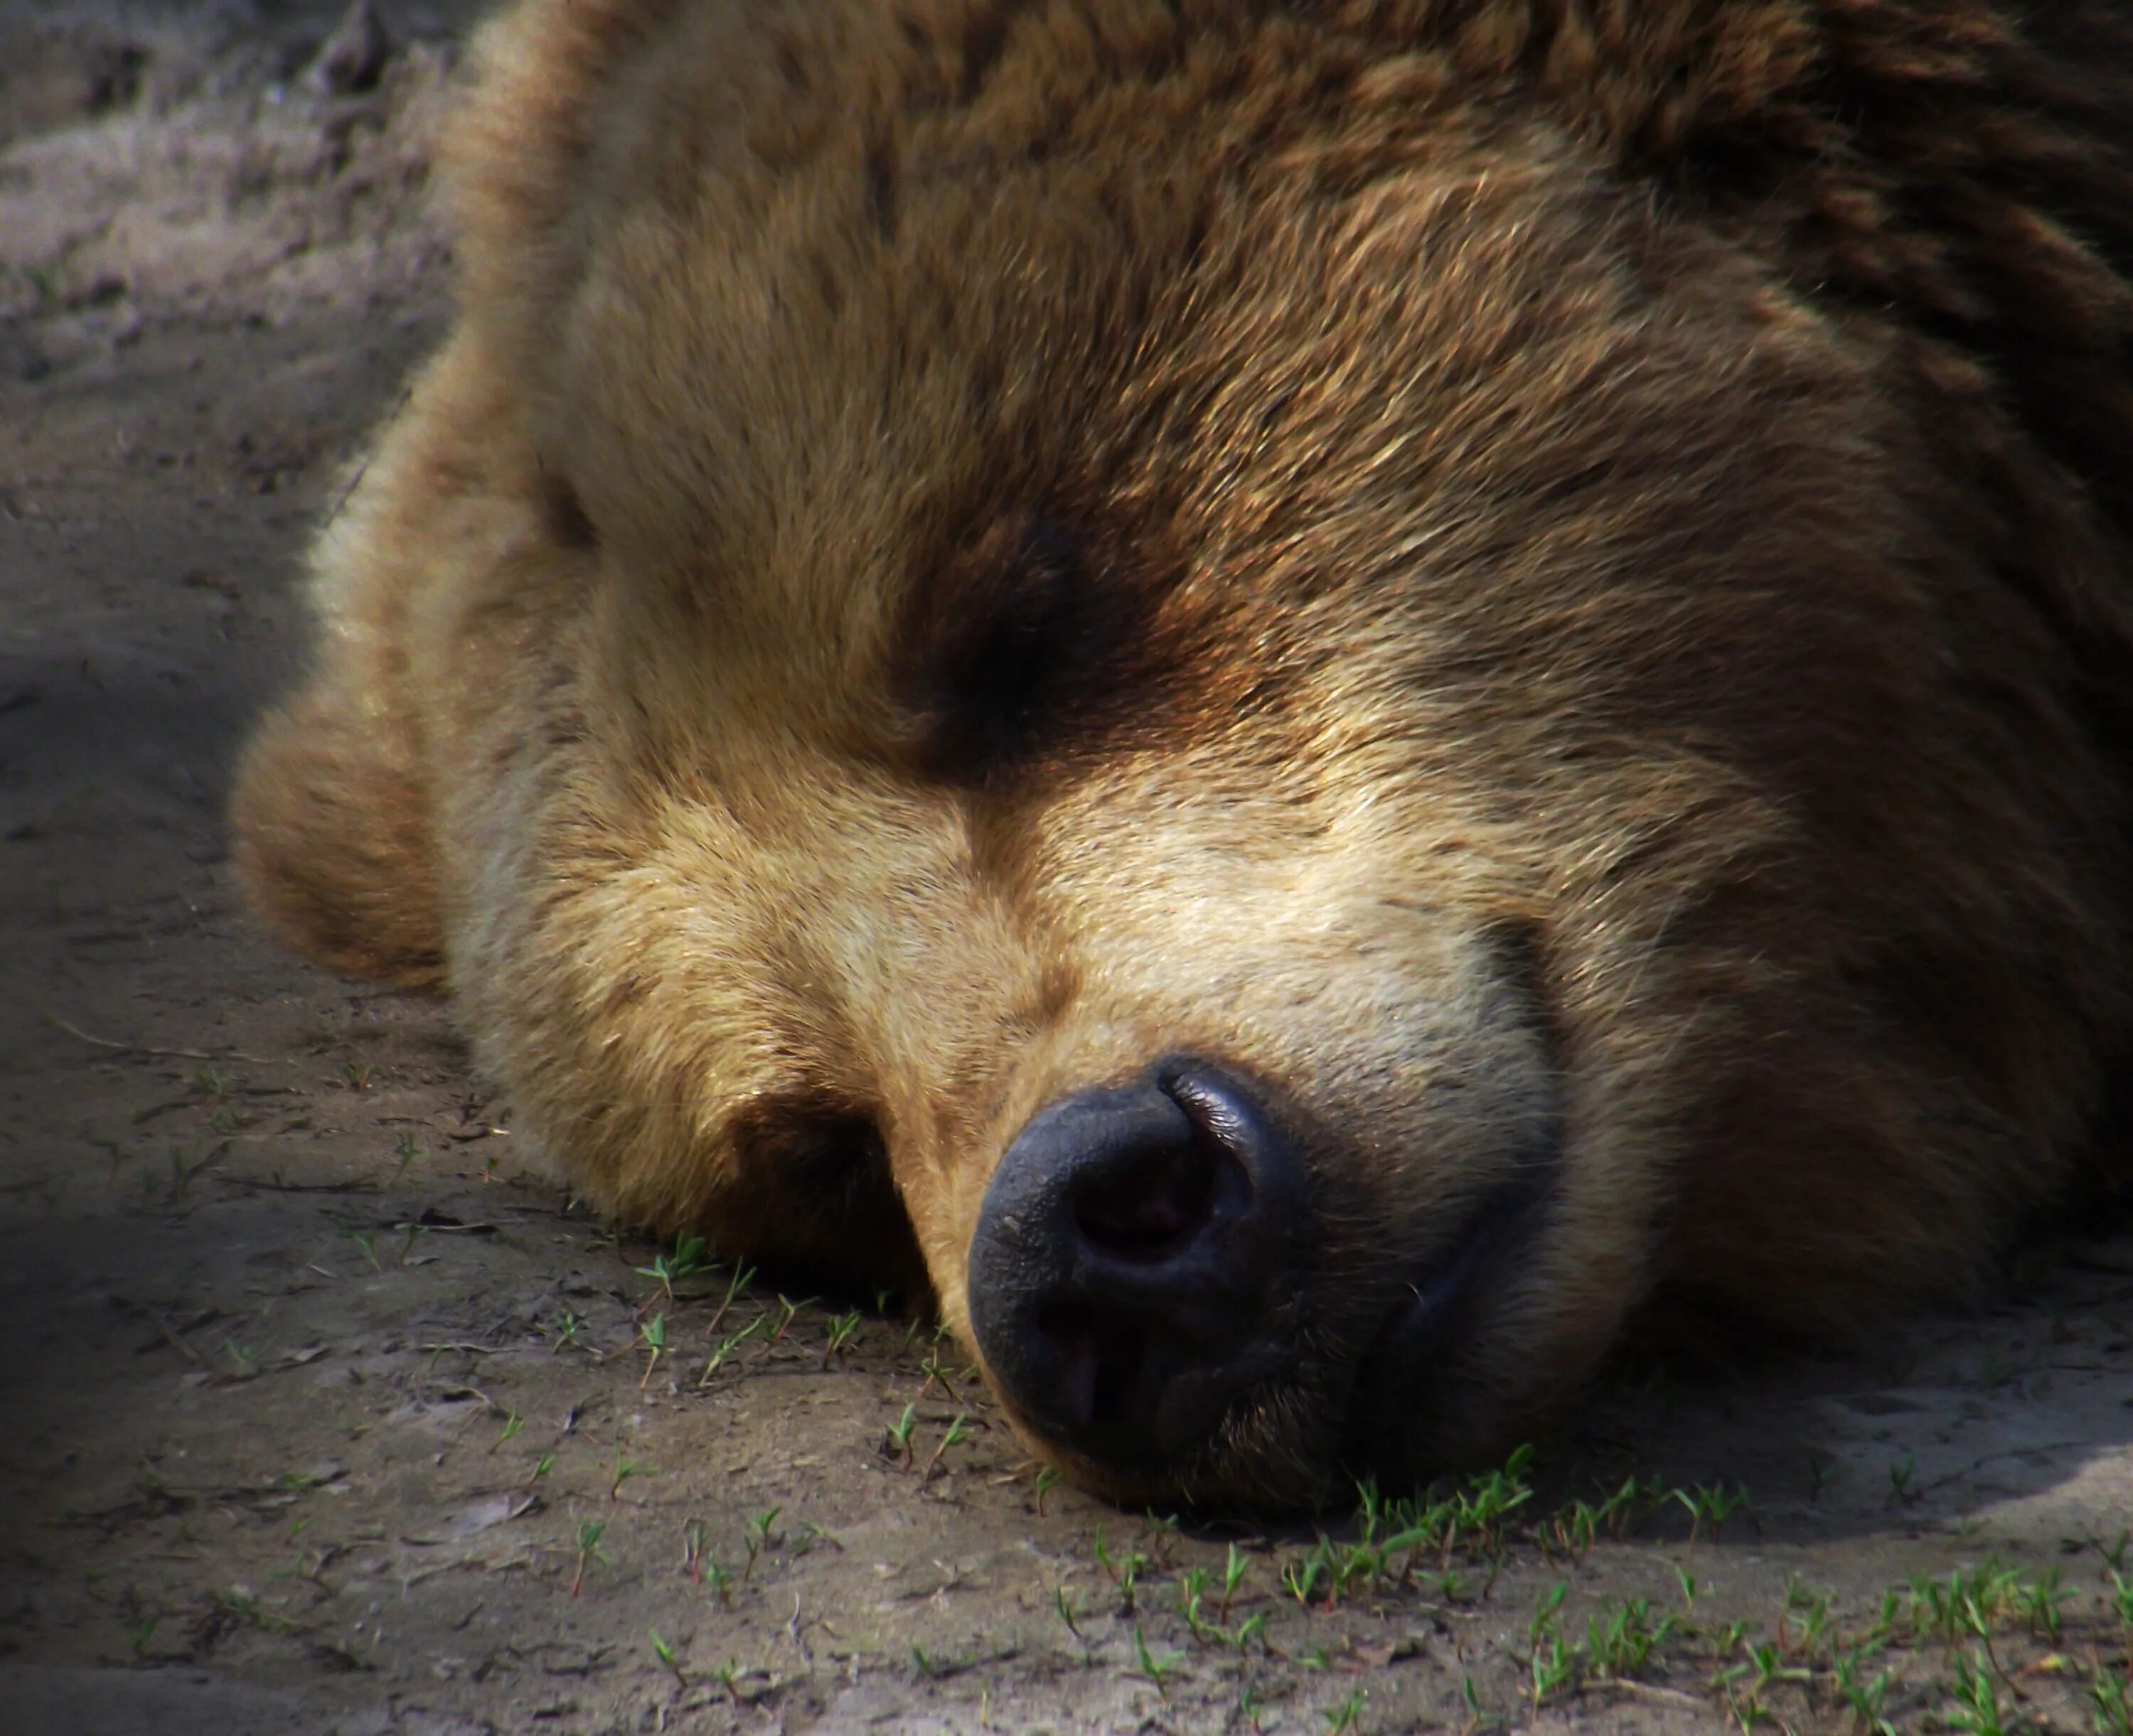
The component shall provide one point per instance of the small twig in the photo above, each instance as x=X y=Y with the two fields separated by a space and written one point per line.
x=170 y=1332
x=489 y=1404
x=105 y=1042
x=1652 y=1691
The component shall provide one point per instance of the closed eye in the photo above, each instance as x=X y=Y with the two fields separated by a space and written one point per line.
x=1001 y=667
x=998 y=648
x=1036 y=648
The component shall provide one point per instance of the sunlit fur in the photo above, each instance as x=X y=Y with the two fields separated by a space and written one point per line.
x=1609 y=524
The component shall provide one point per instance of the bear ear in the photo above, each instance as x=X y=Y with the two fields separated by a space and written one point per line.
x=514 y=148
x=333 y=839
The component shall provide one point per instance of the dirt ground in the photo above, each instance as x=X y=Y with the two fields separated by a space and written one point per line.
x=322 y=1415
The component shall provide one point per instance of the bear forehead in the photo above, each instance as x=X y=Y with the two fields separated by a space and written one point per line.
x=879 y=355
x=883 y=258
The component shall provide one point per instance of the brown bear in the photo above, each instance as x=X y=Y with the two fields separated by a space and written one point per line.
x=1299 y=695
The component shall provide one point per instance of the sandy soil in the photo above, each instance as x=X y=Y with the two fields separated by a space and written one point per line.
x=322 y=1415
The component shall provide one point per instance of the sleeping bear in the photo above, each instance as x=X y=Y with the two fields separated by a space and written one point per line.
x=1303 y=701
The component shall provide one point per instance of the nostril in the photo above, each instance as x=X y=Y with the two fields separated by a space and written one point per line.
x=1152 y=1208
x=1099 y=1357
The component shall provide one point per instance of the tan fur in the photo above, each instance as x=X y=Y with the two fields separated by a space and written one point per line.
x=1642 y=489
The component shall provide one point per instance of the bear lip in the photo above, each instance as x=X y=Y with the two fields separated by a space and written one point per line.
x=1399 y=1379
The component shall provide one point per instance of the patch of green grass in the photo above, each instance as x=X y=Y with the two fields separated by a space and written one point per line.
x=1805 y=1669
x=2121 y=1598
x=686 y=1261
x=1747 y=1710
x=956 y=1434
x=1708 y=1503
x=1191 y=1596
x=590 y=1532
x=653 y=1333
x=1973 y=1604
x=1069 y=1611
x=1346 y=1715
x=1621 y=1638
x=1155 y=1668
x=936 y=1369
x=1335 y=1569
x=1728 y=1639
x=1770 y=1665
x=1577 y=1528
x=1689 y=1590
x=1803 y=1618
x=624 y=1469
x=1480 y=1512
x=1300 y=1578
x=665 y=1653
x=1976 y=1704
x=2038 y=1603
x=2112 y=1695
x=1552 y=1661
x=787 y=1310
x=1125 y=1571
x=701 y=1565
x=1234 y=1569
x=727 y=1346
x=1192 y=1586
x=737 y=1286
x=842 y=1328
x=899 y=1435
x=1863 y=1699
x=1394 y=1536
x=759 y=1539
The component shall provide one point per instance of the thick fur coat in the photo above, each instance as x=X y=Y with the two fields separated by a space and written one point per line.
x=1547 y=581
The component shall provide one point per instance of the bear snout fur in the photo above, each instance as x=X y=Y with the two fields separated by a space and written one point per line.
x=1299 y=699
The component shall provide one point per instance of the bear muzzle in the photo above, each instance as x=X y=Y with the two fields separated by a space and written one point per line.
x=1143 y=1273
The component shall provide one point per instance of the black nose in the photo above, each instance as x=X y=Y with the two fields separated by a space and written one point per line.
x=1132 y=1261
